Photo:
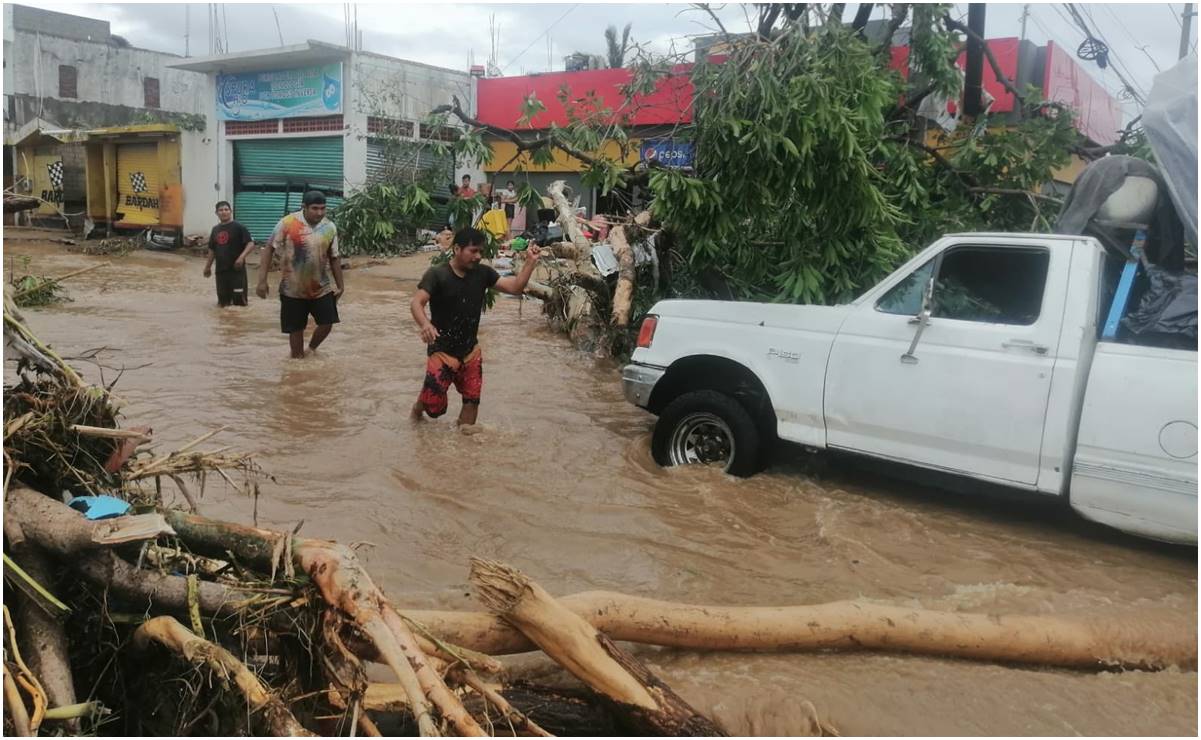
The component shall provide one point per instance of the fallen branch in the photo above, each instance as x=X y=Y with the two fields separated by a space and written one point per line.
x=955 y=25
x=850 y=625
x=53 y=280
x=648 y=705
x=163 y=593
x=64 y=531
x=174 y=636
x=42 y=637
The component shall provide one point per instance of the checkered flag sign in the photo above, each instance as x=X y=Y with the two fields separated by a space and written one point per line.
x=137 y=180
x=55 y=169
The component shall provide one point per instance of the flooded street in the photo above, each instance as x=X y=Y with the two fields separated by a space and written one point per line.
x=560 y=483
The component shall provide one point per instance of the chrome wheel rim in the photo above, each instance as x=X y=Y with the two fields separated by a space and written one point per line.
x=702 y=438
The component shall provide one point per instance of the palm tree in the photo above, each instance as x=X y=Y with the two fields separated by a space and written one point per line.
x=616 y=52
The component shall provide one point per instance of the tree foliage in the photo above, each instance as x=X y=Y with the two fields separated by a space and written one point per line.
x=615 y=53
x=814 y=176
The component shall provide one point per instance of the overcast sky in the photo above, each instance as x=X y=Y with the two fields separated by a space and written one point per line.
x=1141 y=37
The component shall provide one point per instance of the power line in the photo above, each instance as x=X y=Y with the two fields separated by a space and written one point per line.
x=1117 y=65
x=1129 y=35
x=539 y=37
x=1175 y=17
x=1067 y=46
x=1112 y=55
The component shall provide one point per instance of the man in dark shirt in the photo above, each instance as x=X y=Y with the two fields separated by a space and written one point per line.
x=455 y=294
x=229 y=245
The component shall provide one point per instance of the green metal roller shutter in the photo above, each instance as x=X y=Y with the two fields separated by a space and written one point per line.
x=259 y=212
x=315 y=162
x=272 y=175
x=378 y=165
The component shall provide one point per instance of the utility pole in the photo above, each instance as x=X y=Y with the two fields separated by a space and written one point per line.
x=1025 y=17
x=1186 y=25
x=187 y=30
x=974 y=74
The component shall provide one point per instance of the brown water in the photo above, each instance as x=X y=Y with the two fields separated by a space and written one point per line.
x=561 y=484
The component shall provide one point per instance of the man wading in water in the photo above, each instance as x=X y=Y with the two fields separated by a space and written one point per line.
x=229 y=245
x=455 y=293
x=308 y=255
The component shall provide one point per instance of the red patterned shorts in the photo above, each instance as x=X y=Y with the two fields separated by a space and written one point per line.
x=441 y=370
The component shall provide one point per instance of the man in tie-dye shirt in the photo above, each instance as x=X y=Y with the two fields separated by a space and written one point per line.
x=307 y=243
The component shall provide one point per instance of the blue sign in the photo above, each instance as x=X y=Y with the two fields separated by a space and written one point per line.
x=285 y=93
x=674 y=154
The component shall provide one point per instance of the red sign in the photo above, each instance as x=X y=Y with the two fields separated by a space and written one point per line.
x=501 y=98
x=1098 y=114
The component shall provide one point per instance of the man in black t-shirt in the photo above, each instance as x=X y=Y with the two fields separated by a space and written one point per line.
x=229 y=245
x=455 y=292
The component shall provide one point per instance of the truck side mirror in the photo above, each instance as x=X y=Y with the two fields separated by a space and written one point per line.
x=922 y=319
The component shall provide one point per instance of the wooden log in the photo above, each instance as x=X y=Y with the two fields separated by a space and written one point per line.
x=566 y=217
x=623 y=294
x=1165 y=639
x=344 y=583
x=646 y=704
x=43 y=640
x=64 y=531
x=156 y=591
x=174 y=636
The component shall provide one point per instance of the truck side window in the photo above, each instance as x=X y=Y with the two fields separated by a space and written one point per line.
x=994 y=285
x=905 y=298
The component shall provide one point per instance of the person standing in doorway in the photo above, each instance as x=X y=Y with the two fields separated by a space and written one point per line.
x=229 y=246
x=508 y=200
x=454 y=292
x=310 y=281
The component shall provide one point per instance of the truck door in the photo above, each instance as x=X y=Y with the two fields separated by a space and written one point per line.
x=971 y=395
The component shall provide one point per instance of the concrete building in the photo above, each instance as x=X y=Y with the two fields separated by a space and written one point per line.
x=73 y=91
x=318 y=115
x=138 y=139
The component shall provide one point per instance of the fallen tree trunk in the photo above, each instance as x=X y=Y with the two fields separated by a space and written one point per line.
x=645 y=703
x=43 y=640
x=155 y=590
x=1074 y=642
x=64 y=531
x=567 y=220
x=623 y=294
x=174 y=636
x=344 y=584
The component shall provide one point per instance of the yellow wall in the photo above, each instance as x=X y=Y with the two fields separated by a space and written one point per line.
x=104 y=184
x=503 y=151
x=33 y=163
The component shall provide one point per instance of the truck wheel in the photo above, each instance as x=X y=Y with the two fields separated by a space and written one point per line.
x=707 y=428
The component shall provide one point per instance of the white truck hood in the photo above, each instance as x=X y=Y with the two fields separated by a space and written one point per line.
x=776 y=315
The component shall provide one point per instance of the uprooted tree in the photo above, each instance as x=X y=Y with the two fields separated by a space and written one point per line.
x=815 y=171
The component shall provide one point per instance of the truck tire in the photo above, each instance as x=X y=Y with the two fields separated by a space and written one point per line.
x=708 y=428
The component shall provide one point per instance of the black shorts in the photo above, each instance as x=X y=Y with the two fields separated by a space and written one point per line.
x=510 y=210
x=231 y=287
x=294 y=312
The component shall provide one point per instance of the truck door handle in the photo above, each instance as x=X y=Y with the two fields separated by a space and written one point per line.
x=1040 y=349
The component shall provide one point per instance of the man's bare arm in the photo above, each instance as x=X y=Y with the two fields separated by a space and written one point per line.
x=429 y=332
x=515 y=284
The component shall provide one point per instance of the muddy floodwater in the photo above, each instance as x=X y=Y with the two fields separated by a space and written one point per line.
x=560 y=483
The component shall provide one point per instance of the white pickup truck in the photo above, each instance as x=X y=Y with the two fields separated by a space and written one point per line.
x=981 y=358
